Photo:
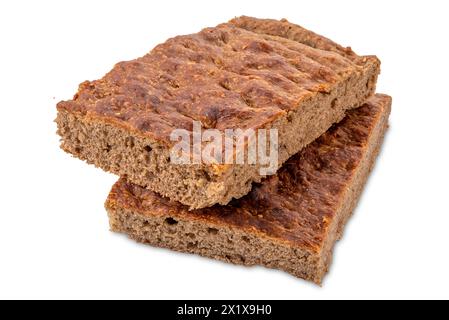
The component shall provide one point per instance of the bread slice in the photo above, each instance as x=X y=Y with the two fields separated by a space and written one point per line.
x=290 y=221
x=245 y=74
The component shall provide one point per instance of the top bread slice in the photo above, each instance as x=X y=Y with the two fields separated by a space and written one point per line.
x=247 y=73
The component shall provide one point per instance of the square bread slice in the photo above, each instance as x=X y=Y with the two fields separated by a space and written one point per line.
x=244 y=74
x=290 y=221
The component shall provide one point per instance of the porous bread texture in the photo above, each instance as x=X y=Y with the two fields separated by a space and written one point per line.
x=91 y=126
x=224 y=233
x=147 y=163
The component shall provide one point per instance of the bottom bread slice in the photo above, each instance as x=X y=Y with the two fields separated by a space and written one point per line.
x=290 y=221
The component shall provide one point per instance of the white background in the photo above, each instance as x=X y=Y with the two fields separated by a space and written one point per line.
x=54 y=237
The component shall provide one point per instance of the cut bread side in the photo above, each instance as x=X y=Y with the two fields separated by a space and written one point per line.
x=290 y=221
x=245 y=74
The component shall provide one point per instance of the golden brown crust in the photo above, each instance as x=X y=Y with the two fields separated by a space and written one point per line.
x=287 y=30
x=241 y=74
x=299 y=203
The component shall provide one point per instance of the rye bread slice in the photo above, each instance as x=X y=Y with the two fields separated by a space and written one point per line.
x=245 y=74
x=290 y=221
